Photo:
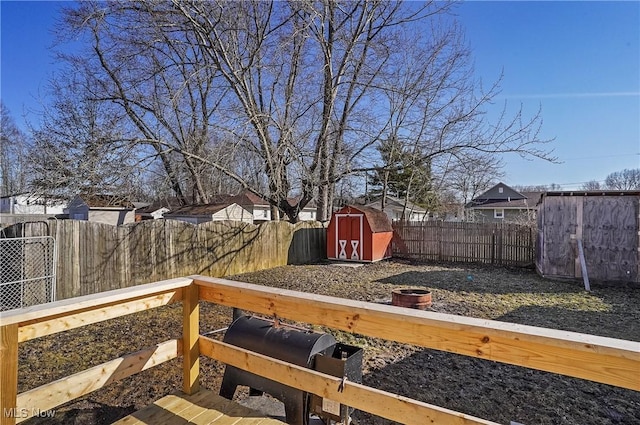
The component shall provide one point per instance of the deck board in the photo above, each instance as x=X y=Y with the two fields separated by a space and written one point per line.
x=201 y=408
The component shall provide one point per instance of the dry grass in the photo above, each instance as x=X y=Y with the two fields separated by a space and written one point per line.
x=481 y=388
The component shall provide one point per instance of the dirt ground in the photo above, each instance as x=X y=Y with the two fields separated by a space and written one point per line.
x=481 y=388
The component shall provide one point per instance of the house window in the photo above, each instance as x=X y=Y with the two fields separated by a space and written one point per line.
x=500 y=189
x=498 y=213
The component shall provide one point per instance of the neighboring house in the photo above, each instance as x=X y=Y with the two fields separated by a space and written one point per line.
x=108 y=209
x=503 y=204
x=394 y=208
x=450 y=211
x=157 y=209
x=308 y=213
x=26 y=203
x=197 y=214
x=261 y=209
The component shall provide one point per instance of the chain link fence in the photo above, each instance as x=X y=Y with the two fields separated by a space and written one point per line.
x=27 y=271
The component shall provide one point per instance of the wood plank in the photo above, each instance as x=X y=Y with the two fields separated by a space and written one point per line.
x=214 y=406
x=179 y=408
x=190 y=335
x=381 y=403
x=65 y=323
x=579 y=202
x=197 y=404
x=68 y=307
x=237 y=414
x=201 y=408
x=163 y=411
x=583 y=266
x=68 y=388
x=8 y=373
x=600 y=359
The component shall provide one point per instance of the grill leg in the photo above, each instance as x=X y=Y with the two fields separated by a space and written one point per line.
x=229 y=384
x=295 y=408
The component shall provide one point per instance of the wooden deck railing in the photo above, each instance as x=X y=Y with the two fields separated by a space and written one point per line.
x=611 y=361
x=22 y=325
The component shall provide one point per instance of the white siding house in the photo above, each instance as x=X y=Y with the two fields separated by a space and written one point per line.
x=395 y=207
x=26 y=203
x=197 y=214
x=307 y=214
x=106 y=209
x=261 y=209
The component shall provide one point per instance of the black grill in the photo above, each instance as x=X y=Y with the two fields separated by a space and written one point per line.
x=282 y=342
x=345 y=361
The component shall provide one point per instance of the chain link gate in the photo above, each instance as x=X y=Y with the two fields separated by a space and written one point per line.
x=27 y=271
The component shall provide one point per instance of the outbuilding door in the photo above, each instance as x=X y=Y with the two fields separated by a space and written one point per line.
x=349 y=236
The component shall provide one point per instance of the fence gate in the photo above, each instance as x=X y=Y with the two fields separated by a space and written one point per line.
x=27 y=271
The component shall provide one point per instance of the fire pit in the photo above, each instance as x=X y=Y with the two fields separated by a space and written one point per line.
x=417 y=298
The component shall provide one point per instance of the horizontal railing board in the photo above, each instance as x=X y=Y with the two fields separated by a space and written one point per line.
x=601 y=359
x=58 y=392
x=68 y=307
x=100 y=314
x=381 y=403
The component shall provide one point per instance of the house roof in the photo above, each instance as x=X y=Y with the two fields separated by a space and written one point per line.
x=35 y=196
x=171 y=203
x=197 y=210
x=377 y=219
x=15 y=194
x=310 y=205
x=397 y=203
x=248 y=199
x=244 y=199
x=530 y=200
x=503 y=196
x=593 y=193
x=106 y=201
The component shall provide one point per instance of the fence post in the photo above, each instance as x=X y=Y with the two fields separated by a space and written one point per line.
x=190 y=336
x=8 y=374
x=493 y=246
x=439 y=239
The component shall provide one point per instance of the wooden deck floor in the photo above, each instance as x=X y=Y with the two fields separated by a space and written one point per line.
x=201 y=408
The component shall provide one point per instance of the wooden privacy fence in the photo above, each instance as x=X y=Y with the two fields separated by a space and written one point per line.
x=489 y=243
x=96 y=257
x=600 y=359
x=606 y=225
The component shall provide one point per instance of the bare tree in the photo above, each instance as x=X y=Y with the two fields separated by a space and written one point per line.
x=13 y=155
x=468 y=179
x=592 y=185
x=300 y=92
x=627 y=179
x=78 y=148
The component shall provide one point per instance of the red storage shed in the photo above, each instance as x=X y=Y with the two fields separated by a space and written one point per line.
x=359 y=233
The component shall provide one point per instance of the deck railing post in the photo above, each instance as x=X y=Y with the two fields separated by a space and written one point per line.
x=8 y=374
x=190 y=335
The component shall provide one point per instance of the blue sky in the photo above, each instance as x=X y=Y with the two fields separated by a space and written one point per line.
x=579 y=61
